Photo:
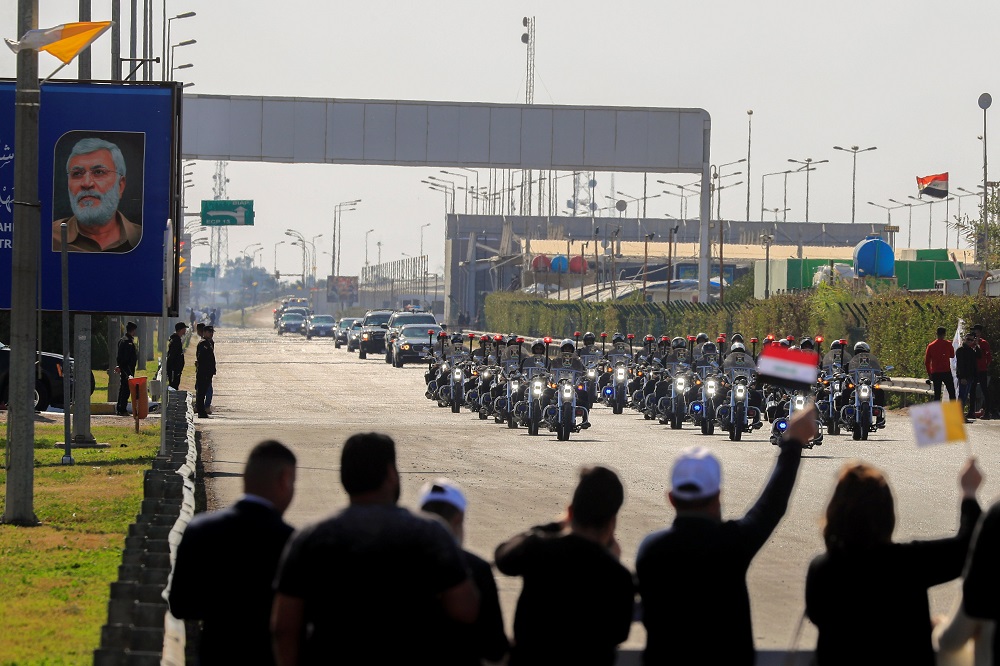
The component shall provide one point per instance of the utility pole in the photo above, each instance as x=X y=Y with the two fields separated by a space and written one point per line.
x=19 y=507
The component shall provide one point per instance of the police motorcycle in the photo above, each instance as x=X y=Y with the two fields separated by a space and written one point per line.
x=797 y=400
x=451 y=392
x=832 y=388
x=436 y=365
x=560 y=410
x=650 y=380
x=534 y=370
x=673 y=408
x=736 y=415
x=706 y=364
x=479 y=389
x=592 y=359
x=618 y=361
x=511 y=382
x=863 y=414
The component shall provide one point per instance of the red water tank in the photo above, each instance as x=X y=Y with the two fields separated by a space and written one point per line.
x=540 y=263
x=578 y=265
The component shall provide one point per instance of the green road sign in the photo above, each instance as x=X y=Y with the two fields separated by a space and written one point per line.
x=223 y=213
x=202 y=273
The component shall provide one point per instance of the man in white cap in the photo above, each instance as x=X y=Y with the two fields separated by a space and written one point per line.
x=692 y=575
x=484 y=639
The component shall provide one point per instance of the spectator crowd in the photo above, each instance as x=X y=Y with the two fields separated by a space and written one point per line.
x=377 y=583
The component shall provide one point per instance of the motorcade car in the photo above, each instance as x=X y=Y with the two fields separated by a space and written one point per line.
x=400 y=319
x=320 y=326
x=291 y=322
x=354 y=335
x=48 y=379
x=413 y=343
x=343 y=327
x=373 y=329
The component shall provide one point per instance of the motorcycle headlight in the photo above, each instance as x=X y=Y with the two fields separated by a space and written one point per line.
x=457 y=375
x=536 y=388
x=710 y=388
x=567 y=393
x=864 y=391
x=487 y=374
x=740 y=391
x=444 y=367
x=680 y=383
x=405 y=347
x=591 y=373
x=515 y=386
x=620 y=374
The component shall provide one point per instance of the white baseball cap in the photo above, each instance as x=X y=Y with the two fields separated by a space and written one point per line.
x=442 y=490
x=697 y=474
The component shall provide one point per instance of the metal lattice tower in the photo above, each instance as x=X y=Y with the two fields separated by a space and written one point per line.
x=220 y=236
x=528 y=38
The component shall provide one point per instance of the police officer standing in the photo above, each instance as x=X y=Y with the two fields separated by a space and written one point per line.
x=125 y=361
x=175 y=355
x=204 y=370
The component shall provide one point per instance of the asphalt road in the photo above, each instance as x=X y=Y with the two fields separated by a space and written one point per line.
x=312 y=397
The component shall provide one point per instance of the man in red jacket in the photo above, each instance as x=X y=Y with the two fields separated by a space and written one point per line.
x=937 y=360
x=982 y=377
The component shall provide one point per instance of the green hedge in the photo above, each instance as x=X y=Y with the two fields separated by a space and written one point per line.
x=896 y=325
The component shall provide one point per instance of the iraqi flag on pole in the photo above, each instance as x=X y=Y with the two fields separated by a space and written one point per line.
x=933 y=186
x=791 y=368
x=63 y=41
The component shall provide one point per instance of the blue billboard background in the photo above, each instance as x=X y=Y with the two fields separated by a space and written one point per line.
x=129 y=282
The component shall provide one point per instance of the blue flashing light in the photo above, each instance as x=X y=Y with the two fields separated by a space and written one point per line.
x=782 y=425
x=697 y=408
x=609 y=391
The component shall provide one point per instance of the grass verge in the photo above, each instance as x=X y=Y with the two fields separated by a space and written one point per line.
x=56 y=577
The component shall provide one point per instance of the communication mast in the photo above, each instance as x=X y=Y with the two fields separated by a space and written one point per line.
x=528 y=38
x=220 y=235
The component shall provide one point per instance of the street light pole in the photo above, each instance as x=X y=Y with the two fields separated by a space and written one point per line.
x=985 y=100
x=767 y=239
x=422 y=227
x=366 y=245
x=164 y=64
x=749 y=180
x=854 y=150
x=909 y=223
x=808 y=165
x=764 y=178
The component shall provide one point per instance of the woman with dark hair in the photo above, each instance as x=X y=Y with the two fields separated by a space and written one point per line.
x=868 y=595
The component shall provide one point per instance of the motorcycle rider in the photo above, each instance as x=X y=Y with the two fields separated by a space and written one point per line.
x=864 y=360
x=589 y=347
x=538 y=357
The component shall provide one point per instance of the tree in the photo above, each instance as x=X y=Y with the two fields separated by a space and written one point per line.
x=985 y=239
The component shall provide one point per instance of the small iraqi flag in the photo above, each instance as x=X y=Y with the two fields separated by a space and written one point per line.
x=933 y=186
x=790 y=368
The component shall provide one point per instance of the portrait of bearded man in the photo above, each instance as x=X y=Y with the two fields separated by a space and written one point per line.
x=95 y=173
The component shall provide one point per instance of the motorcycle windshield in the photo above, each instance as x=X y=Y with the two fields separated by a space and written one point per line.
x=567 y=374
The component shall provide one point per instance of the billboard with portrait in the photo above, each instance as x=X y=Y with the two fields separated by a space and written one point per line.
x=107 y=160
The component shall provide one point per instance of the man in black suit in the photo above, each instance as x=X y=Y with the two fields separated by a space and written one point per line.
x=227 y=560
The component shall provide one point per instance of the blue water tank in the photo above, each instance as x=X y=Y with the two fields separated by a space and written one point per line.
x=560 y=264
x=873 y=257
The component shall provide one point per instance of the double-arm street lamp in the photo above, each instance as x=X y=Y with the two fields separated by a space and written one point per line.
x=854 y=150
x=465 y=194
x=167 y=24
x=335 y=244
x=763 y=179
x=888 y=213
x=808 y=164
x=173 y=47
x=909 y=223
x=422 y=227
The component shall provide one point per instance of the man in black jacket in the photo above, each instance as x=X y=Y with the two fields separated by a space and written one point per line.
x=692 y=576
x=966 y=362
x=204 y=370
x=227 y=559
x=175 y=355
x=981 y=591
x=126 y=360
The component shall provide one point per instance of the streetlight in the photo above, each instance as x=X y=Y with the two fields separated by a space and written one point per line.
x=959 y=197
x=776 y=211
x=854 y=150
x=173 y=68
x=173 y=47
x=764 y=178
x=807 y=165
x=378 y=244
x=749 y=135
x=422 y=227
x=766 y=240
x=683 y=189
x=442 y=188
x=300 y=240
x=888 y=212
x=335 y=237
x=909 y=223
x=985 y=100
x=465 y=196
x=366 y=245
x=645 y=263
x=930 y=215
x=164 y=65
x=276 y=256
x=638 y=220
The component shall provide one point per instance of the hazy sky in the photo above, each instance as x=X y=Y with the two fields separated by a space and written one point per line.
x=903 y=76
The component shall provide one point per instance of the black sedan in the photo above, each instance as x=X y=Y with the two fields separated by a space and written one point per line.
x=321 y=326
x=291 y=322
x=413 y=343
x=48 y=387
x=343 y=329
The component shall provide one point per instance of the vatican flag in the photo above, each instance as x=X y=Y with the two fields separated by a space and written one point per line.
x=938 y=422
x=64 y=41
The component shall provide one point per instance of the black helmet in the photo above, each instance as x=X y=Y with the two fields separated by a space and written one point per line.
x=737 y=347
x=701 y=339
x=618 y=337
x=664 y=341
x=511 y=340
x=806 y=343
x=737 y=337
x=678 y=343
x=835 y=344
x=538 y=346
x=784 y=342
x=589 y=338
x=862 y=348
x=709 y=348
x=567 y=346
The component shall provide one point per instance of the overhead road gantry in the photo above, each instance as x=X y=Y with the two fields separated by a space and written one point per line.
x=469 y=135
